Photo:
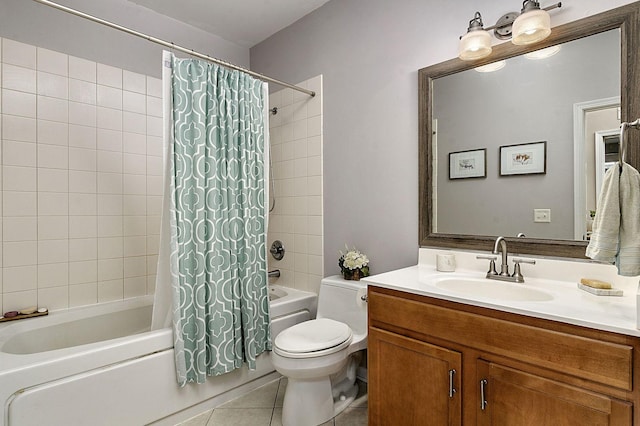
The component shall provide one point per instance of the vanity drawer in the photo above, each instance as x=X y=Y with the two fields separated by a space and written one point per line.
x=597 y=360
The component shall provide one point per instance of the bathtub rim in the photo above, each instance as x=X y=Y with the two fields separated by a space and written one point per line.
x=58 y=316
x=294 y=301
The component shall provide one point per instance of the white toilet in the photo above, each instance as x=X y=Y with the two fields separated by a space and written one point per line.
x=320 y=357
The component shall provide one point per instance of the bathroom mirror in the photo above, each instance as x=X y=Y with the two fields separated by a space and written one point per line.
x=505 y=199
x=492 y=103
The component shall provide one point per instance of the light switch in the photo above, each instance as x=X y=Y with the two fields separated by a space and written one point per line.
x=542 y=215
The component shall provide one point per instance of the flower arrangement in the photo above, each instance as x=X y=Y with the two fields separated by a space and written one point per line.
x=353 y=264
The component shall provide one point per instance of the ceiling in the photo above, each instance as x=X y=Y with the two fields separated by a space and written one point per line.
x=244 y=22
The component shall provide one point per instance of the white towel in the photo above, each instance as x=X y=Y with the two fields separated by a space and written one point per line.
x=616 y=227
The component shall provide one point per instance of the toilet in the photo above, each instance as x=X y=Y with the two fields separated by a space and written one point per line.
x=320 y=356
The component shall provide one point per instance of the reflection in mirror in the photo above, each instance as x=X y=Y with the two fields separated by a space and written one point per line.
x=557 y=103
x=600 y=140
x=528 y=100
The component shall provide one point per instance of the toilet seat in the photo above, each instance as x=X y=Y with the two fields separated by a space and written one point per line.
x=313 y=338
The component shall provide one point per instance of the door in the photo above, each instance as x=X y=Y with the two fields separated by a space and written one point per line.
x=412 y=382
x=511 y=397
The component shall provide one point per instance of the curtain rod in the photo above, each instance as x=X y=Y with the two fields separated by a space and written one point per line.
x=174 y=46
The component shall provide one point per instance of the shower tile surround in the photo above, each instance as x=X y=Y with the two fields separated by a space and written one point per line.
x=296 y=154
x=81 y=180
x=81 y=183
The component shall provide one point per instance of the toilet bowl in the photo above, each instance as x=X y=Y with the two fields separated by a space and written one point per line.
x=320 y=356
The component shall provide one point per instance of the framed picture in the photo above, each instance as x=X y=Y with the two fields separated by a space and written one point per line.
x=468 y=164
x=523 y=159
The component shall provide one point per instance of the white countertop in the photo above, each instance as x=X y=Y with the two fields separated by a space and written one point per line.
x=568 y=303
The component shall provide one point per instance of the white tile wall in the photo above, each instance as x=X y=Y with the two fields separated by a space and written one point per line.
x=80 y=189
x=296 y=151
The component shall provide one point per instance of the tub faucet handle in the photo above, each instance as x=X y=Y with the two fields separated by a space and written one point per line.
x=277 y=250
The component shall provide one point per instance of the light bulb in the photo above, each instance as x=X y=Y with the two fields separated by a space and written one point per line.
x=474 y=45
x=531 y=27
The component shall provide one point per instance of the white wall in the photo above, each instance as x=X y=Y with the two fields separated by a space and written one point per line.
x=368 y=52
x=81 y=149
x=81 y=179
x=296 y=154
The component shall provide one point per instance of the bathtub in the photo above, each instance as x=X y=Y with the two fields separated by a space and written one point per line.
x=101 y=365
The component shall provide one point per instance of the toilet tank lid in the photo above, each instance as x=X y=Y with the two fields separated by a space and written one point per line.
x=314 y=335
x=338 y=281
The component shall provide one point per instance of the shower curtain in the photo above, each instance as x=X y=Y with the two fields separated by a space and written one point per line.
x=212 y=273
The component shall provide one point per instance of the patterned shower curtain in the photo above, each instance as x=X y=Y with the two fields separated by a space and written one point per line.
x=217 y=215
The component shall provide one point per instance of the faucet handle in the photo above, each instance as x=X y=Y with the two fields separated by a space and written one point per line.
x=517 y=274
x=484 y=257
x=529 y=261
x=492 y=264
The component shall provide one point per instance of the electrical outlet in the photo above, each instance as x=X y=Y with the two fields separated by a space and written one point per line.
x=542 y=215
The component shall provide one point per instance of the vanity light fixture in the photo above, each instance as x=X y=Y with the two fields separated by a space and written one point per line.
x=476 y=43
x=531 y=25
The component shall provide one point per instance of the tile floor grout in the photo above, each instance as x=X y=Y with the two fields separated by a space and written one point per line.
x=263 y=407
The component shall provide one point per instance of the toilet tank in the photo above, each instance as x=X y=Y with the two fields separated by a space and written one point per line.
x=340 y=300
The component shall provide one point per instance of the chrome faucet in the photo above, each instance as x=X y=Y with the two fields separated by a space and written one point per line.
x=500 y=246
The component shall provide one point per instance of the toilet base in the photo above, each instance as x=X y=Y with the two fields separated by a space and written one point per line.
x=310 y=403
x=345 y=400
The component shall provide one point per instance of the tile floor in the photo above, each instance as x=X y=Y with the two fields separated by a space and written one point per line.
x=263 y=407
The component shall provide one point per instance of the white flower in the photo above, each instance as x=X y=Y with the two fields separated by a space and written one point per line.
x=353 y=259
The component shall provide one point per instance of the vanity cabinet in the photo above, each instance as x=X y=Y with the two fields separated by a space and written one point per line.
x=436 y=362
x=513 y=397
x=430 y=370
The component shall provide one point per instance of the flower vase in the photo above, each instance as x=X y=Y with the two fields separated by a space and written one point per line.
x=353 y=275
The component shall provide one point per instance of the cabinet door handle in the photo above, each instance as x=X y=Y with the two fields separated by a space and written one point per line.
x=483 y=399
x=452 y=390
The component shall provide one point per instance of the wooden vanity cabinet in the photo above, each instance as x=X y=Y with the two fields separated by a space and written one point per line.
x=435 y=362
x=513 y=397
x=429 y=370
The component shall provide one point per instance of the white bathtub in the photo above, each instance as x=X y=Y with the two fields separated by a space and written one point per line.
x=100 y=365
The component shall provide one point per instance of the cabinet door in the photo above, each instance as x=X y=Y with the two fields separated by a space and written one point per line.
x=412 y=382
x=516 y=398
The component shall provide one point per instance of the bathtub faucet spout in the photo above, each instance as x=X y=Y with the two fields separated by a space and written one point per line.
x=274 y=274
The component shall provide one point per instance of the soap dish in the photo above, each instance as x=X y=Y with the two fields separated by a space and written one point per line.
x=17 y=315
x=601 y=291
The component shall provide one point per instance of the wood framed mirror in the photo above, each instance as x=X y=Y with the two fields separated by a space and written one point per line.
x=625 y=21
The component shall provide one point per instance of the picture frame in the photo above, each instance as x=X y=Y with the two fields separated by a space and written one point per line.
x=468 y=164
x=523 y=159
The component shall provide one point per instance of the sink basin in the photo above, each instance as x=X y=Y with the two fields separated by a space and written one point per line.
x=493 y=289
